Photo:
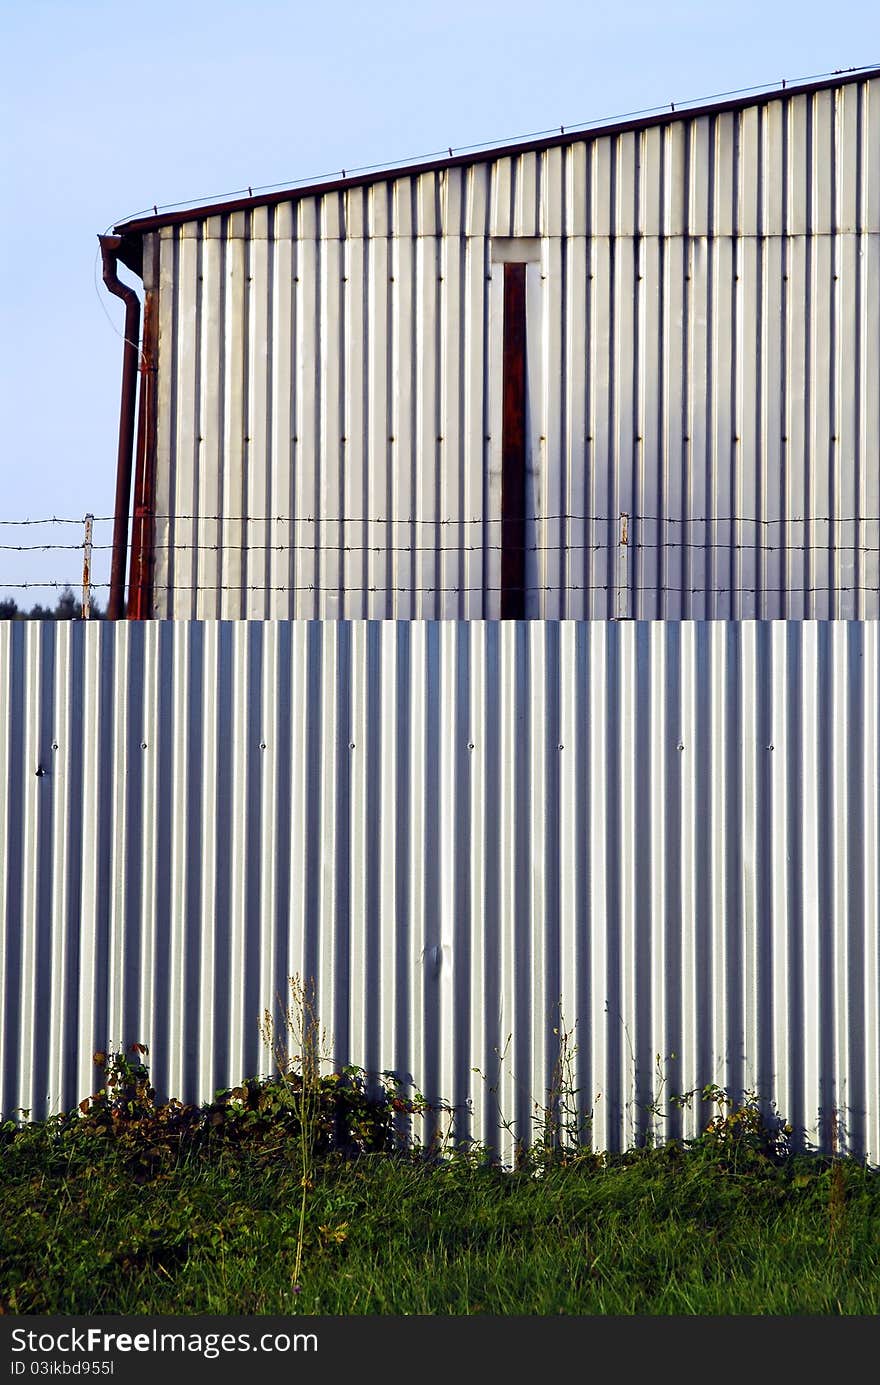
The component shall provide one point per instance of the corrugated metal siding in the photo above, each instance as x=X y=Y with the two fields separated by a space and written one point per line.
x=669 y=832
x=704 y=323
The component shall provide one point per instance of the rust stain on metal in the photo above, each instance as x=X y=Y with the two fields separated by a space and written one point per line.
x=513 y=446
x=141 y=572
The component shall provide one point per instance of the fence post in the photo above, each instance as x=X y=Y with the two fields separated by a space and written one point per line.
x=87 y=568
x=623 y=568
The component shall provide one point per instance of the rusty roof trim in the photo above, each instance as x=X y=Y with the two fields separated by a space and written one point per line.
x=141 y=224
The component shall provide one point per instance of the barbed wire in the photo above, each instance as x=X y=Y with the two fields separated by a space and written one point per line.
x=257 y=548
x=565 y=517
x=56 y=519
x=571 y=127
x=686 y=548
x=551 y=588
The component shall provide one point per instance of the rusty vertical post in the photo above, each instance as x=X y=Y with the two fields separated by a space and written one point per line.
x=513 y=446
x=87 y=568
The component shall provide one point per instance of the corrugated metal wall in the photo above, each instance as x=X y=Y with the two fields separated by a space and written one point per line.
x=669 y=832
x=704 y=322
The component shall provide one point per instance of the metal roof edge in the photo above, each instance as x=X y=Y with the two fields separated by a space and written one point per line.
x=142 y=224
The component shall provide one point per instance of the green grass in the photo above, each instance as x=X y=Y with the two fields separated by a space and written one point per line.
x=84 y=1229
x=300 y=1194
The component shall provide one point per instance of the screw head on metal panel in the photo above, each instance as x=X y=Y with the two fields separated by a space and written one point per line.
x=54 y=745
x=143 y=745
x=39 y=771
x=262 y=745
x=470 y=745
x=560 y=746
x=770 y=747
x=680 y=746
x=351 y=745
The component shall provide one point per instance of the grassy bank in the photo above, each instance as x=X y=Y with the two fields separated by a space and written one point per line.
x=653 y=1235
x=281 y=1199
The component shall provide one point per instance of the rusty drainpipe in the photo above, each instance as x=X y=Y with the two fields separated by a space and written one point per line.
x=131 y=332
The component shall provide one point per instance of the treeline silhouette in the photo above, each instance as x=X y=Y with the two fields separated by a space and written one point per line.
x=68 y=607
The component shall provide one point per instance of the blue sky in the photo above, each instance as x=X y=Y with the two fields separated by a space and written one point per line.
x=107 y=109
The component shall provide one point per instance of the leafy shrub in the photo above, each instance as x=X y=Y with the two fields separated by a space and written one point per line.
x=262 y=1116
x=740 y=1134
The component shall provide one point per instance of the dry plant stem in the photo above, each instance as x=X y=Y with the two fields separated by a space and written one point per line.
x=303 y=1030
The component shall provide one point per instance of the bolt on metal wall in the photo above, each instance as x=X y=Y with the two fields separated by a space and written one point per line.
x=702 y=343
x=473 y=836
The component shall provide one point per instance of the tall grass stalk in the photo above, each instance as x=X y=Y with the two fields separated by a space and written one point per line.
x=836 y=1193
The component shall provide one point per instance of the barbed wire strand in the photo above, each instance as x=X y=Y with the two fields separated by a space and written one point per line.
x=551 y=588
x=697 y=545
x=567 y=517
x=570 y=127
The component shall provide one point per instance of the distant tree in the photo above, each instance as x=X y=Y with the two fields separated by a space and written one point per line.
x=68 y=607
